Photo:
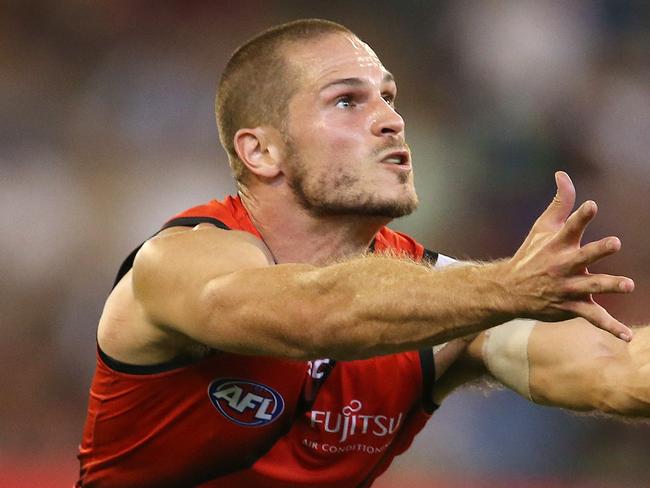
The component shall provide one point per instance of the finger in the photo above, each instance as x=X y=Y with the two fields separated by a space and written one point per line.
x=575 y=226
x=601 y=318
x=559 y=209
x=598 y=284
x=594 y=252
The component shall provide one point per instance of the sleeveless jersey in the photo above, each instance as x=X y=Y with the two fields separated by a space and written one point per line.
x=229 y=420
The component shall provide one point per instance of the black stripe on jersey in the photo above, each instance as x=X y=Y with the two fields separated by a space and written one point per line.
x=115 y=365
x=313 y=385
x=430 y=257
x=192 y=221
x=428 y=367
x=127 y=264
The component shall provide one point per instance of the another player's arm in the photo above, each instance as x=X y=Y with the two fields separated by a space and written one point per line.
x=576 y=366
x=567 y=364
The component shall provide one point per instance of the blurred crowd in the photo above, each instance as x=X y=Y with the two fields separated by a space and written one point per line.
x=107 y=129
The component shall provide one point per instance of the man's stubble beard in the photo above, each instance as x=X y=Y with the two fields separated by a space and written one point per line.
x=339 y=195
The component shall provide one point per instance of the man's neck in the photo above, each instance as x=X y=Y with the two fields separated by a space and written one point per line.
x=293 y=235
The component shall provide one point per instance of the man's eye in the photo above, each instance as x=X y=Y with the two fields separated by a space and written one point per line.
x=390 y=100
x=345 y=101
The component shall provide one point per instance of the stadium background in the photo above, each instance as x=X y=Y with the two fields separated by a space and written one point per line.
x=107 y=129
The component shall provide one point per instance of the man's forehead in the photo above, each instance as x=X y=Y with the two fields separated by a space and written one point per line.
x=339 y=55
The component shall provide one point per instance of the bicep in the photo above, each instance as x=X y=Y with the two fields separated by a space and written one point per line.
x=173 y=270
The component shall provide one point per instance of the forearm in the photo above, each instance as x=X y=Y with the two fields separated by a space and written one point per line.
x=627 y=379
x=356 y=309
x=222 y=289
x=578 y=367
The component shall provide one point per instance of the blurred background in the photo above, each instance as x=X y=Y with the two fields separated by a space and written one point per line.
x=107 y=129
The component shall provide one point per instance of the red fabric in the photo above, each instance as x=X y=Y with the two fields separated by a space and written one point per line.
x=396 y=241
x=230 y=211
x=365 y=405
x=158 y=430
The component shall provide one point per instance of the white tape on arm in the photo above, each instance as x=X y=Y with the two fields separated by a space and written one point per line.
x=505 y=353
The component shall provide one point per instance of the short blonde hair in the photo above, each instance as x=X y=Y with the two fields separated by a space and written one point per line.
x=258 y=82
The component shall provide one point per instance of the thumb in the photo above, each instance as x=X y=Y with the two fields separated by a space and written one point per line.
x=560 y=208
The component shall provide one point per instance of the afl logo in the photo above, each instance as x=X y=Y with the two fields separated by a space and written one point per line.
x=245 y=402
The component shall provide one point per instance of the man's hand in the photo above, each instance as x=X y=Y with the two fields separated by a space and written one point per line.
x=549 y=271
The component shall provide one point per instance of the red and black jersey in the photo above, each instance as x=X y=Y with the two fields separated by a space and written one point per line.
x=229 y=420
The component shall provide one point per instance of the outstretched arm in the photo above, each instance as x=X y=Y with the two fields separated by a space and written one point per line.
x=568 y=364
x=219 y=288
x=575 y=366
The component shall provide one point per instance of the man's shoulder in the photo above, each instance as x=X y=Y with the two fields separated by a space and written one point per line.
x=218 y=209
x=227 y=214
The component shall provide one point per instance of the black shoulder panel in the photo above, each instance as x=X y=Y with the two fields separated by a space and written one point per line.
x=116 y=365
x=428 y=367
x=192 y=221
x=430 y=257
x=127 y=264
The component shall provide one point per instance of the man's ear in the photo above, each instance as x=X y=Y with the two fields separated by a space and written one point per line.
x=259 y=149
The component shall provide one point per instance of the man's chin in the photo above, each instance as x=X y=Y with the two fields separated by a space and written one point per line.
x=387 y=210
x=322 y=203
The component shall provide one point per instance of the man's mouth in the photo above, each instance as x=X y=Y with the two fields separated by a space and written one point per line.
x=398 y=158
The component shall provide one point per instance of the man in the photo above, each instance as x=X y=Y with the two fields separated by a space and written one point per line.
x=285 y=337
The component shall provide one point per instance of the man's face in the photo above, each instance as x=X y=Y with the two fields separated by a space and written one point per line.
x=346 y=153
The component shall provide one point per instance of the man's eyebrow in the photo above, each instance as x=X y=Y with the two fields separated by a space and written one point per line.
x=388 y=77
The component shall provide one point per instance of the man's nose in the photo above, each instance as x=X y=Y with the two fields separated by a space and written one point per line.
x=386 y=121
